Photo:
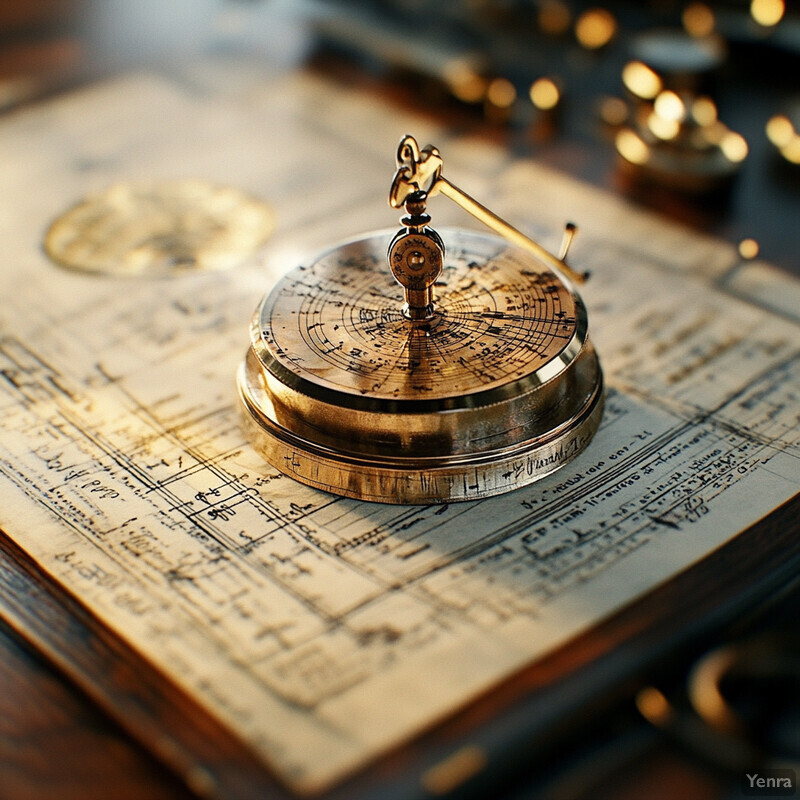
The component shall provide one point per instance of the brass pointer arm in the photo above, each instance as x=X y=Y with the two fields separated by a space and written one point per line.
x=421 y=170
x=511 y=233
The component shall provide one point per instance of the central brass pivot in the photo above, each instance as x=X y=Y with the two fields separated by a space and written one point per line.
x=416 y=257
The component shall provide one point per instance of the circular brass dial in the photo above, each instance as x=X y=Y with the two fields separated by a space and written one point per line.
x=497 y=388
x=337 y=324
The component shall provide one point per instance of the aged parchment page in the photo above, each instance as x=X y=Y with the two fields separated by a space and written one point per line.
x=323 y=630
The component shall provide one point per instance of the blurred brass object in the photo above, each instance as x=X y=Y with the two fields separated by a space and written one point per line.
x=482 y=381
x=159 y=229
x=671 y=135
x=736 y=729
x=677 y=142
x=783 y=131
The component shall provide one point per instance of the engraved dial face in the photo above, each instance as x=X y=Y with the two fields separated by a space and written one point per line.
x=499 y=317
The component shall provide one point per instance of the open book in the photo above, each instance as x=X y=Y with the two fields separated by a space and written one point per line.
x=323 y=634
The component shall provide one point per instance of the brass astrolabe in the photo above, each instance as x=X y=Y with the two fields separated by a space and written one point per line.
x=473 y=377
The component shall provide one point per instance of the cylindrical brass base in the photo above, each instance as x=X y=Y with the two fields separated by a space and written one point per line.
x=394 y=456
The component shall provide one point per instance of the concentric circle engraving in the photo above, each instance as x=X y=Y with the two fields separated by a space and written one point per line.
x=337 y=323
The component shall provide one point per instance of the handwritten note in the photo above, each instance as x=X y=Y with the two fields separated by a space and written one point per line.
x=322 y=630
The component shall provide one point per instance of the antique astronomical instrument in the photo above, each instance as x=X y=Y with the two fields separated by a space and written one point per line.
x=456 y=368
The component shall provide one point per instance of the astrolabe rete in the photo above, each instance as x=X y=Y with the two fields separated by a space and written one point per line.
x=483 y=381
